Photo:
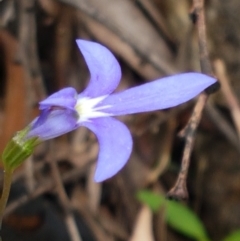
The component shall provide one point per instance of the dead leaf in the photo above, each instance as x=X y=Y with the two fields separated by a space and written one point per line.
x=143 y=226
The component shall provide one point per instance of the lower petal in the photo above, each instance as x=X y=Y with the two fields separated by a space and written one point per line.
x=53 y=124
x=115 y=146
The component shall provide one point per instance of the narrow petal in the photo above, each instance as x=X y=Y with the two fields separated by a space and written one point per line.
x=159 y=94
x=65 y=98
x=53 y=123
x=104 y=69
x=115 y=146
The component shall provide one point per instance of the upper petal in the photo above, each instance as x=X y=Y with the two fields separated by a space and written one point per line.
x=65 y=98
x=115 y=146
x=53 y=123
x=104 y=69
x=159 y=94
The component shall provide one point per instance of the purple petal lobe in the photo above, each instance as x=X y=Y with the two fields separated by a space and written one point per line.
x=65 y=98
x=159 y=94
x=53 y=123
x=104 y=69
x=115 y=146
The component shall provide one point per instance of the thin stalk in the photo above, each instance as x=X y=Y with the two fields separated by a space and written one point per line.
x=7 y=181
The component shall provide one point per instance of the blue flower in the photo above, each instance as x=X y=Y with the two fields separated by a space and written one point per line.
x=93 y=108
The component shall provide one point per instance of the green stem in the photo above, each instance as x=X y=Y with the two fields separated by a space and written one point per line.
x=7 y=181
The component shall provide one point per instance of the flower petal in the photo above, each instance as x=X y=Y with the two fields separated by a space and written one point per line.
x=53 y=123
x=104 y=69
x=65 y=98
x=115 y=146
x=160 y=94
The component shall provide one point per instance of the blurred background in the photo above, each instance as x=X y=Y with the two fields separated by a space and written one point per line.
x=151 y=39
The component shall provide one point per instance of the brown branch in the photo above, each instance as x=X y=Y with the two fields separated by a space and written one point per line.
x=164 y=154
x=179 y=191
x=29 y=59
x=202 y=38
x=46 y=186
x=223 y=126
x=64 y=201
x=28 y=47
x=229 y=94
x=121 y=35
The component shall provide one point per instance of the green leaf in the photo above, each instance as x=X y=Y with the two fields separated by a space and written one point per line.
x=154 y=201
x=178 y=216
x=235 y=236
x=184 y=220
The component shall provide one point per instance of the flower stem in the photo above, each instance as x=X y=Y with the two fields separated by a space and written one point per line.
x=5 y=192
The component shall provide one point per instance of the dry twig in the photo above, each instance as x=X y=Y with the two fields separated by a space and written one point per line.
x=222 y=125
x=179 y=191
x=29 y=59
x=164 y=156
x=64 y=201
x=46 y=186
x=228 y=93
x=105 y=22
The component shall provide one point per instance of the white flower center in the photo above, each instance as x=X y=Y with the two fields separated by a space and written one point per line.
x=86 y=109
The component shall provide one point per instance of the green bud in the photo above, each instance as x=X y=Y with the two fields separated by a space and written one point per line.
x=18 y=150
